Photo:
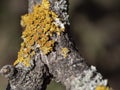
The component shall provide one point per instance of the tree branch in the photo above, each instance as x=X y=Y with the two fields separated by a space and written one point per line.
x=48 y=53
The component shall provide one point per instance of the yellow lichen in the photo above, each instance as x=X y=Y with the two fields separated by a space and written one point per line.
x=65 y=52
x=103 y=88
x=39 y=27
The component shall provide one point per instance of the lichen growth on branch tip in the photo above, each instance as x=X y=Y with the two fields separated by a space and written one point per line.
x=103 y=88
x=39 y=28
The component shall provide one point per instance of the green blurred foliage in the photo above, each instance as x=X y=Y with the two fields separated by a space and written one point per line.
x=95 y=29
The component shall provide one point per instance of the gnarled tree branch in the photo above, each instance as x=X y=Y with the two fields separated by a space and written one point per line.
x=56 y=59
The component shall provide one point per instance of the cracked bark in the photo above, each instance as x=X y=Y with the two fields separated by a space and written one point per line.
x=49 y=67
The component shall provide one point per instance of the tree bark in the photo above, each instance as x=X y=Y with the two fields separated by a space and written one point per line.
x=64 y=64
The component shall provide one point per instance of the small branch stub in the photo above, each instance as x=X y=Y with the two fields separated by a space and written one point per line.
x=7 y=71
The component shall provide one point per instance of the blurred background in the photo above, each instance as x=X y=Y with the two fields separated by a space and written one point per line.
x=95 y=29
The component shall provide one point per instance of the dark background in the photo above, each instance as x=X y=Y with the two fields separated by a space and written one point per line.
x=95 y=28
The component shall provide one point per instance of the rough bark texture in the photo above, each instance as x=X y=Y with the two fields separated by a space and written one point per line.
x=71 y=70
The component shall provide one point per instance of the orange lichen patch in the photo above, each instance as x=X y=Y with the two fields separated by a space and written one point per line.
x=65 y=52
x=47 y=47
x=39 y=27
x=103 y=88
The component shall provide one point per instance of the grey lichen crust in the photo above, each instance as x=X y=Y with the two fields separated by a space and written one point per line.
x=61 y=8
x=88 y=80
x=32 y=3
